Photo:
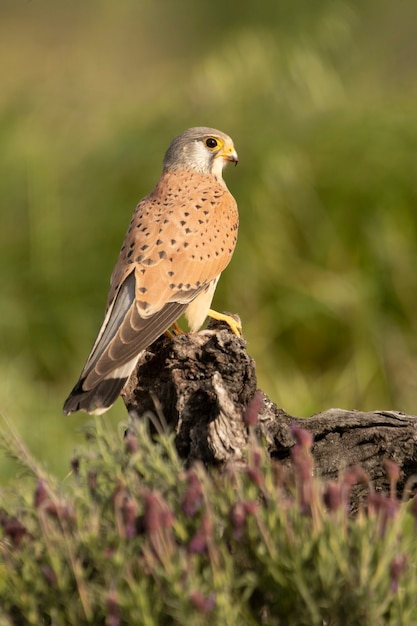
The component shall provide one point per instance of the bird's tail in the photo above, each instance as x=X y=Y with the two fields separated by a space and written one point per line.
x=97 y=400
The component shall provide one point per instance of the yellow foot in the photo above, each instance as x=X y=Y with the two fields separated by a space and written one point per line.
x=235 y=326
x=176 y=330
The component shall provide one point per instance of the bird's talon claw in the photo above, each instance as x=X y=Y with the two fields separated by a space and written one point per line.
x=234 y=325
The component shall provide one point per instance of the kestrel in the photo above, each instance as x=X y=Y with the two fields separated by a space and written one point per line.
x=181 y=237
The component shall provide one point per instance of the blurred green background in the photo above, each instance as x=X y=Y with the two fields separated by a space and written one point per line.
x=320 y=97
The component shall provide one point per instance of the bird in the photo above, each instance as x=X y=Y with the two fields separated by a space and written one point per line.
x=180 y=239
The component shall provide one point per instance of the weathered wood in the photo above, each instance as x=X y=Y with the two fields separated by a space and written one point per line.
x=204 y=386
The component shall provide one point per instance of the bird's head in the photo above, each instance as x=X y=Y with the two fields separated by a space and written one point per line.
x=201 y=149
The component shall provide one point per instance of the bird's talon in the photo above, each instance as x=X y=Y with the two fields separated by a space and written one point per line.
x=173 y=331
x=234 y=325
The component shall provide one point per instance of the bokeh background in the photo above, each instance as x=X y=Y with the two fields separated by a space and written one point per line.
x=320 y=97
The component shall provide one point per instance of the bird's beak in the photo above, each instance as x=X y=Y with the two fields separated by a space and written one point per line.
x=230 y=154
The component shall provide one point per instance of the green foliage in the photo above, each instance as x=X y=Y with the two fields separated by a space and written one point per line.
x=133 y=537
x=320 y=100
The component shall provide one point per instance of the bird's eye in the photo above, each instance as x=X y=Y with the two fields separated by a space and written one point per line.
x=211 y=143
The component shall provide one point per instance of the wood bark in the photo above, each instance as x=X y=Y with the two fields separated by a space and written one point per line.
x=204 y=386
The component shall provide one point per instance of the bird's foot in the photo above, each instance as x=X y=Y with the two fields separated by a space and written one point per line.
x=235 y=325
x=175 y=330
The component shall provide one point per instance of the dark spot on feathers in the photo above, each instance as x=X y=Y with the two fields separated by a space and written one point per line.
x=142 y=290
x=144 y=247
x=173 y=242
x=159 y=242
x=162 y=254
x=171 y=273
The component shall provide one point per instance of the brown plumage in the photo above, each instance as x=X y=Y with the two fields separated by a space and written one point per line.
x=181 y=237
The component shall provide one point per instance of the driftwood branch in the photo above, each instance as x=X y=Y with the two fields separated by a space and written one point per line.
x=203 y=385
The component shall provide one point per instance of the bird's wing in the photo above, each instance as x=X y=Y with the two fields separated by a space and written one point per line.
x=124 y=334
x=180 y=239
x=181 y=236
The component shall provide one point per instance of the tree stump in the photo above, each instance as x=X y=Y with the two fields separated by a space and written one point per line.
x=203 y=385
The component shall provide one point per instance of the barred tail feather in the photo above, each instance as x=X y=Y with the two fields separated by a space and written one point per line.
x=103 y=395
x=95 y=401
